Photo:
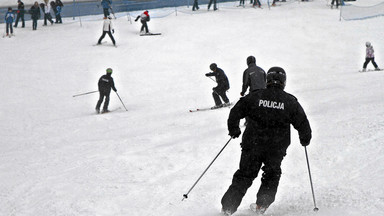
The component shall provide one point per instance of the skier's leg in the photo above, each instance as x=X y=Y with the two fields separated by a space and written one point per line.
x=374 y=63
x=106 y=102
x=367 y=60
x=250 y=164
x=17 y=20
x=270 y=179
x=101 y=98
x=111 y=36
x=223 y=95
x=146 y=27
x=216 y=97
x=102 y=37
x=22 y=21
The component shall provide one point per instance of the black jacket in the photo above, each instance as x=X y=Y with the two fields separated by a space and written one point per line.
x=270 y=113
x=35 y=12
x=20 y=8
x=221 y=79
x=106 y=83
x=254 y=77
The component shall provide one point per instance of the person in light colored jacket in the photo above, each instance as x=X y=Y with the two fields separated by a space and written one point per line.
x=107 y=29
x=370 y=56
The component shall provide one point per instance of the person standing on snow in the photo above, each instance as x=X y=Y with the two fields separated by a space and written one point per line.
x=265 y=140
x=35 y=15
x=105 y=85
x=337 y=3
x=370 y=56
x=47 y=12
x=107 y=29
x=9 y=17
x=221 y=88
x=254 y=76
x=144 y=18
x=106 y=5
x=20 y=14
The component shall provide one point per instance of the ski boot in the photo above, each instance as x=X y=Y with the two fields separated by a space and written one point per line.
x=226 y=212
x=260 y=210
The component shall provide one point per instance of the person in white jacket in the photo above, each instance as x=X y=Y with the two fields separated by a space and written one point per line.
x=47 y=13
x=107 y=29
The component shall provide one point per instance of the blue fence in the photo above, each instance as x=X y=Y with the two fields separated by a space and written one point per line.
x=94 y=7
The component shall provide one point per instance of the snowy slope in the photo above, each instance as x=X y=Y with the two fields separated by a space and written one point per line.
x=58 y=158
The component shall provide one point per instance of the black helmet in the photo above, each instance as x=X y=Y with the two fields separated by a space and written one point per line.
x=213 y=66
x=276 y=76
x=250 y=60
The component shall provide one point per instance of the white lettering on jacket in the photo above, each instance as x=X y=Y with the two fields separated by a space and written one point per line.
x=271 y=104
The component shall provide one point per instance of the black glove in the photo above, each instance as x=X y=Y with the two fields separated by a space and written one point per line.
x=113 y=31
x=207 y=74
x=242 y=94
x=304 y=143
x=234 y=133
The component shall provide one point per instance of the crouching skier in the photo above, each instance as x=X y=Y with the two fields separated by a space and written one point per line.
x=105 y=85
x=265 y=140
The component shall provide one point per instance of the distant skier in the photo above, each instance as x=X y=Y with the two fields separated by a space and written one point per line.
x=106 y=5
x=370 y=56
x=47 y=12
x=105 y=85
x=221 y=88
x=35 y=15
x=254 y=76
x=195 y=5
x=20 y=14
x=265 y=140
x=144 y=18
x=56 y=7
x=9 y=17
x=107 y=29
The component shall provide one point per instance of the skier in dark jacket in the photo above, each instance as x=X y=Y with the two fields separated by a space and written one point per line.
x=35 y=15
x=106 y=4
x=265 y=139
x=144 y=18
x=105 y=85
x=20 y=14
x=254 y=76
x=221 y=88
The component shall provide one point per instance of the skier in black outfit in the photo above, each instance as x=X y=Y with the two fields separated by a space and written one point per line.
x=20 y=14
x=265 y=139
x=221 y=88
x=35 y=15
x=105 y=85
x=254 y=76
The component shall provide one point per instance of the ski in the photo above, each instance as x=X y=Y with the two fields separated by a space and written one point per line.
x=211 y=108
x=109 y=111
x=150 y=34
x=370 y=70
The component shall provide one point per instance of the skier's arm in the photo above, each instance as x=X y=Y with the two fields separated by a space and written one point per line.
x=237 y=113
x=113 y=85
x=301 y=124
x=137 y=18
x=245 y=83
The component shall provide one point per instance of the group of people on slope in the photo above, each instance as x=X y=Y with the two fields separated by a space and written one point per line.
x=46 y=7
x=269 y=111
x=196 y=5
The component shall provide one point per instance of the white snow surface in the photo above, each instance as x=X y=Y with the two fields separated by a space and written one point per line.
x=58 y=157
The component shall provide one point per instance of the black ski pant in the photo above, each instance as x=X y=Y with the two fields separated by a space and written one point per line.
x=106 y=12
x=58 y=18
x=217 y=93
x=9 y=27
x=101 y=98
x=242 y=2
x=214 y=4
x=34 y=24
x=367 y=60
x=337 y=2
x=47 y=16
x=110 y=35
x=144 y=26
x=20 y=16
x=195 y=5
x=250 y=164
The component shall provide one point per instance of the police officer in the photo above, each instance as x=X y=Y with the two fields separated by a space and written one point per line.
x=254 y=76
x=105 y=85
x=221 y=88
x=265 y=139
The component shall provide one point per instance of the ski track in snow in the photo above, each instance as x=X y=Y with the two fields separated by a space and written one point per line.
x=59 y=158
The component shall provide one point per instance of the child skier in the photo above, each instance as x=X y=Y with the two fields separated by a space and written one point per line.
x=9 y=17
x=107 y=29
x=370 y=56
x=144 y=18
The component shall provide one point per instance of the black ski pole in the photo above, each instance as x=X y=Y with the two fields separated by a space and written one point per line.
x=122 y=102
x=85 y=93
x=310 y=179
x=185 y=196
